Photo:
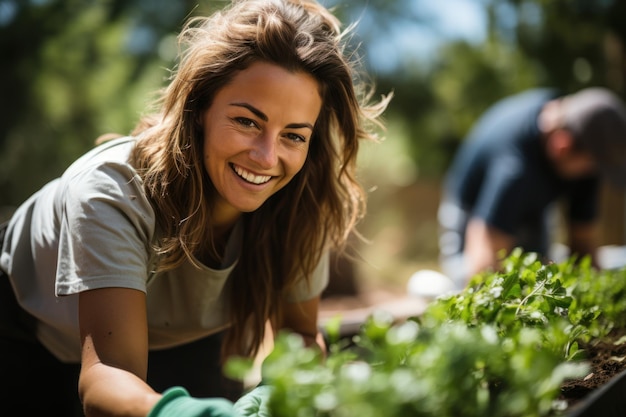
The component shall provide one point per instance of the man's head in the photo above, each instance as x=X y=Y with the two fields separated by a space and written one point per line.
x=596 y=119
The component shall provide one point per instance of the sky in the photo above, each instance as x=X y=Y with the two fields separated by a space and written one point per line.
x=409 y=41
x=458 y=18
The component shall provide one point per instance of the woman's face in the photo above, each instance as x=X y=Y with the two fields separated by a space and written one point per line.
x=257 y=134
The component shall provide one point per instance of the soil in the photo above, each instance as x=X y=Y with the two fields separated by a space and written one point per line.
x=606 y=358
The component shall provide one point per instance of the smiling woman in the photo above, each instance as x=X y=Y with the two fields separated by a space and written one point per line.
x=156 y=256
x=256 y=136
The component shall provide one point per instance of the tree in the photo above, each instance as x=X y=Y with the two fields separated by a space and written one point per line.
x=77 y=70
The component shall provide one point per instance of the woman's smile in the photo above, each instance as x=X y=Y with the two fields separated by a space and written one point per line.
x=250 y=177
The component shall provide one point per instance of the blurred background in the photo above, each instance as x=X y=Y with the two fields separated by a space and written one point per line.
x=74 y=69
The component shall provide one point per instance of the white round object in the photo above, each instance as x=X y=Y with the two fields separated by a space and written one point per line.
x=429 y=283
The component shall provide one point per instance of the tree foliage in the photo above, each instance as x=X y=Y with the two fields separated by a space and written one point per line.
x=74 y=70
x=77 y=69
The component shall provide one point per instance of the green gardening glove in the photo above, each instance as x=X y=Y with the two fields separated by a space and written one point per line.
x=255 y=403
x=176 y=402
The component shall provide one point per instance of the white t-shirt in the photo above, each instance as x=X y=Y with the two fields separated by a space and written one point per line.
x=93 y=228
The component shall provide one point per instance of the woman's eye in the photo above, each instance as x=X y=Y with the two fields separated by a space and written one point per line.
x=244 y=121
x=295 y=137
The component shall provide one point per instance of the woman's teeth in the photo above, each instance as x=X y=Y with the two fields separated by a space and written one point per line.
x=250 y=177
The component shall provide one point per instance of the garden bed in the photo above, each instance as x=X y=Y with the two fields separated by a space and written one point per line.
x=599 y=393
x=533 y=340
x=603 y=390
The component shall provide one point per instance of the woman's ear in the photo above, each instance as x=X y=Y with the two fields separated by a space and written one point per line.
x=200 y=120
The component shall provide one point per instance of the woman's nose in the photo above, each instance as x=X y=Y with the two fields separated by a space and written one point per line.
x=264 y=151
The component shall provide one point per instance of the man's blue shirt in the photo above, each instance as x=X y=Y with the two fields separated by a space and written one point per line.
x=501 y=173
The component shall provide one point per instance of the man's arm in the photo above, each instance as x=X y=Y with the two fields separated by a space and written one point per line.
x=583 y=240
x=483 y=244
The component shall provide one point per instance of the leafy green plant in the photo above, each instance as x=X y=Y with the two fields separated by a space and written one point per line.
x=409 y=370
x=502 y=347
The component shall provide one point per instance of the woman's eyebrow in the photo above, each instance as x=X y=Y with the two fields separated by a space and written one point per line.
x=258 y=113
x=300 y=126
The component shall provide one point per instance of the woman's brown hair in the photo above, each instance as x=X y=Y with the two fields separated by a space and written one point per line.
x=285 y=238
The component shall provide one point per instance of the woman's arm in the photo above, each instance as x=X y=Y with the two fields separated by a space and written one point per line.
x=302 y=318
x=114 y=336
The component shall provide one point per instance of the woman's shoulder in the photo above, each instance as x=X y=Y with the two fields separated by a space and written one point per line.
x=102 y=167
x=114 y=152
x=104 y=176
